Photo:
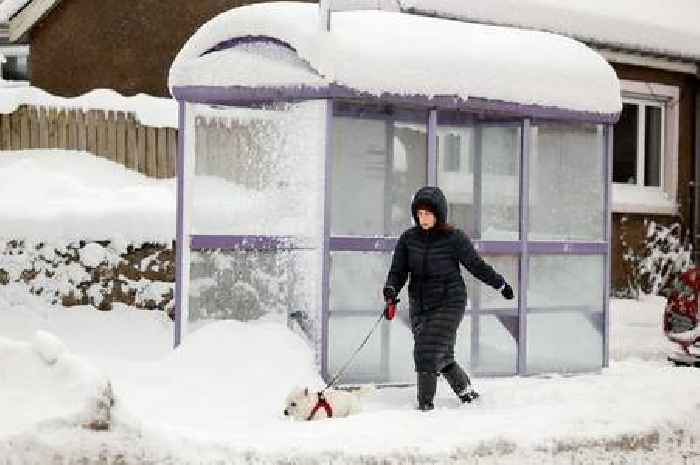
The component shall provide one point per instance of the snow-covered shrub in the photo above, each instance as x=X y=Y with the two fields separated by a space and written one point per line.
x=652 y=265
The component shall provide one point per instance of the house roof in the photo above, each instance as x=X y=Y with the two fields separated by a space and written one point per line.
x=669 y=29
x=8 y=8
x=381 y=52
x=24 y=14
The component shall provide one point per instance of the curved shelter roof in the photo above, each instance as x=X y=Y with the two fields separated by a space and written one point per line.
x=279 y=51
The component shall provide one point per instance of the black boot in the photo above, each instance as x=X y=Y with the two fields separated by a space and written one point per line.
x=427 y=384
x=459 y=382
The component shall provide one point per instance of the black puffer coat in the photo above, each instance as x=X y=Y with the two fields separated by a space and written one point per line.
x=437 y=294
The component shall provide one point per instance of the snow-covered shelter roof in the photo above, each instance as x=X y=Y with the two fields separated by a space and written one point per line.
x=664 y=28
x=281 y=46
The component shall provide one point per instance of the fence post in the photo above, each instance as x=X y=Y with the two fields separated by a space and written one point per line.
x=131 y=145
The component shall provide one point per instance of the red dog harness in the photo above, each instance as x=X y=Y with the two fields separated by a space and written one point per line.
x=322 y=402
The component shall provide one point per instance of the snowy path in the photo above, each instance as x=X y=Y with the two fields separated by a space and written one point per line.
x=219 y=400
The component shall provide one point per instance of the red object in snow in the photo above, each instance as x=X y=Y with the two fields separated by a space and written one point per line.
x=681 y=318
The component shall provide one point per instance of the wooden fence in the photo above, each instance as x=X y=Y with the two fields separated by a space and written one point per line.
x=117 y=136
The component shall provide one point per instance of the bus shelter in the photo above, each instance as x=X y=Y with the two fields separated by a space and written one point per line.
x=300 y=146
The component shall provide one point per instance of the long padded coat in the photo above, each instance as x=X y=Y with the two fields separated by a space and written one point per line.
x=436 y=290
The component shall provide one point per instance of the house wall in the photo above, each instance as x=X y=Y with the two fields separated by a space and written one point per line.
x=123 y=45
x=634 y=223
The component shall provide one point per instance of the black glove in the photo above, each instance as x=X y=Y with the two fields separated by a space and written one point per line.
x=389 y=294
x=507 y=291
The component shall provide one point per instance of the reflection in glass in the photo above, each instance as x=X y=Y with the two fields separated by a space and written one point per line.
x=246 y=285
x=478 y=169
x=379 y=162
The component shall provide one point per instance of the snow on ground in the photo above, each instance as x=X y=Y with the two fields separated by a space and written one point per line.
x=72 y=195
x=220 y=397
x=76 y=195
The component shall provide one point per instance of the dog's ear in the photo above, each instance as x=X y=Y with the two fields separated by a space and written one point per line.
x=306 y=391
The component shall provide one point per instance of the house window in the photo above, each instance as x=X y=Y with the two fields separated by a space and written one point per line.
x=638 y=144
x=645 y=149
x=16 y=64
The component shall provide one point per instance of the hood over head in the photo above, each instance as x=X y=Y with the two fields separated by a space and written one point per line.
x=433 y=197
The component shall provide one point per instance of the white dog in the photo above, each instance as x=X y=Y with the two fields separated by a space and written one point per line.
x=305 y=404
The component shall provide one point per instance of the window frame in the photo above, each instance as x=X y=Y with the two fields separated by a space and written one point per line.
x=638 y=198
x=642 y=105
x=16 y=51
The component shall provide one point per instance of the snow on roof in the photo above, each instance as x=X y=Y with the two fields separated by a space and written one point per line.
x=397 y=53
x=668 y=28
x=8 y=8
x=263 y=63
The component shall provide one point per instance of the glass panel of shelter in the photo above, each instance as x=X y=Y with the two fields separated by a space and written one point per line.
x=379 y=160
x=479 y=170
x=257 y=172
x=565 y=292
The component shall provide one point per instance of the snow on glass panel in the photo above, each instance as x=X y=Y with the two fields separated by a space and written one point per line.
x=246 y=285
x=379 y=161
x=566 y=182
x=258 y=170
x=478 y=169
x=565 y=302
x=356 y=282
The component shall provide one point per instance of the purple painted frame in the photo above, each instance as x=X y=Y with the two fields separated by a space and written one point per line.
x=240 y=95
x=607 y=176
x=179 y=225
x=524 y=193
x=326 y=252
x=247 y=242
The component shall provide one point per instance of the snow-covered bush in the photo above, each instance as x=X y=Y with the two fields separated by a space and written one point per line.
x=654 y=263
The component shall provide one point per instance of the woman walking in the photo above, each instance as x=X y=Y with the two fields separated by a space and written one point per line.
x=431 y=253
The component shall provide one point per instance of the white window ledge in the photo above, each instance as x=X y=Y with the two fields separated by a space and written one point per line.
x=637 y=199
